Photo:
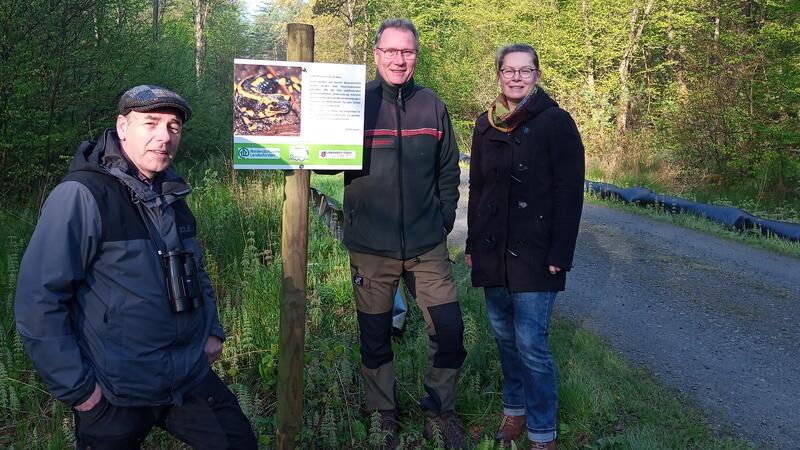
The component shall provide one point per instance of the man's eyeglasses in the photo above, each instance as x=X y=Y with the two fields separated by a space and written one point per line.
x=391 y=53
x=524 y=73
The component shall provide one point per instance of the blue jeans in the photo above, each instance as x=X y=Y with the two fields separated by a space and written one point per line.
x=520 y=321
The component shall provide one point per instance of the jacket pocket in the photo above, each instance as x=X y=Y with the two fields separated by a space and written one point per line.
x=139 y=377
x=541 y=231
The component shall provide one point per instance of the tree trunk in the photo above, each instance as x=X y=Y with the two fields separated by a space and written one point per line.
x=715 y=55
x=351 y=30
x=634 y=37
x=677 y=58
x=201 y=8
x=367 y=33
x=588 y=35
x=155 y=20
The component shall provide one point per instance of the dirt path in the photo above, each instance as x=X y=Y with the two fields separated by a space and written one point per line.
x=717 y=320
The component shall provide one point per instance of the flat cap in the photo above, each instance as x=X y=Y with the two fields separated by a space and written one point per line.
x=147 y=97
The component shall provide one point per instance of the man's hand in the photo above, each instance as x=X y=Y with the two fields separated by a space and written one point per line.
x=213 y=349
x=468 y=260
x=92 y=401
x=554 y=269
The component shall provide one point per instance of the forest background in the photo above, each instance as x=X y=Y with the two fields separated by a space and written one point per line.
x=698 y=98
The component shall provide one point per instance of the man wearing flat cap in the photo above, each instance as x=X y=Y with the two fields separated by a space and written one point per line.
x=113 y=302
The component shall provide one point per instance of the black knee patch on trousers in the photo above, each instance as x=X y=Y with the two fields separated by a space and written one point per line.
x=431 y=402
x=449 y=326
x=376 y=338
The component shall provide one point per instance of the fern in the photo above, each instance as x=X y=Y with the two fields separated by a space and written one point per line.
x=68 y=429
x=18 y=348
x=13 y=250
x=4 y=385
x=314 y=312
x=246 y=401
x=248 y=336
x=328 y=428
x=14 y=404
x=437 y=438
x=377 y=437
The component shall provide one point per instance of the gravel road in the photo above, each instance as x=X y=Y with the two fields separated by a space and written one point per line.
x=717 y=320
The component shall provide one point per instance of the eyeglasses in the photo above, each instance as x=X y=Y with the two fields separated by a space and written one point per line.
x=524 y=73
x=391 y=53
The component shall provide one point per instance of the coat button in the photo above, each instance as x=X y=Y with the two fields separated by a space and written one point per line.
x=522 y=204
x=526 y=130
x=521 y=167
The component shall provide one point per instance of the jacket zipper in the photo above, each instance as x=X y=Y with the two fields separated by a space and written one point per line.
x=398 y=102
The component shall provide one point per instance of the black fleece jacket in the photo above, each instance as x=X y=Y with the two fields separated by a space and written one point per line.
x=402 y=203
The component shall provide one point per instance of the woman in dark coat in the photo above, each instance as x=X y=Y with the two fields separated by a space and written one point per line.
x=525 y=199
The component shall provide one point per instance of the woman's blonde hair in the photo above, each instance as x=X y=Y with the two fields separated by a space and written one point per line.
x=515 y=48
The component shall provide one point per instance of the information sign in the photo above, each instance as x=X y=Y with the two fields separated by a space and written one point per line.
x=298 y=115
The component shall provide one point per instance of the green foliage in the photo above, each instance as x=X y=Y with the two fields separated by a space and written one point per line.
x=64 y=65
x=714 y=86
x=266 y=32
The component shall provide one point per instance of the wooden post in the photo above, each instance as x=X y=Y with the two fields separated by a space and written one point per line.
x=294 y=254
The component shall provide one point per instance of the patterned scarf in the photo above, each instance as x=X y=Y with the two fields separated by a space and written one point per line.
x=504 y=119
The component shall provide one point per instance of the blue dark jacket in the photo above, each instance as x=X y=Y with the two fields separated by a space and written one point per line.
x=91 y=302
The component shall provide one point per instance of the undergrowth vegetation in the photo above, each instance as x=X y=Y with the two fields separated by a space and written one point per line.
x=605 y=403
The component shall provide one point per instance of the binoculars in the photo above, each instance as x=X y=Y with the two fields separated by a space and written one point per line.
x=183 y=280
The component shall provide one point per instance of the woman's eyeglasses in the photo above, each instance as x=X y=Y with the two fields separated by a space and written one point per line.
x=524 y=73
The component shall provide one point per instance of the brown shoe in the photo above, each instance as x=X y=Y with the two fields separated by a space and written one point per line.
x=543 y=445
x=389 y=429
x=510 y=429
x=448 y=426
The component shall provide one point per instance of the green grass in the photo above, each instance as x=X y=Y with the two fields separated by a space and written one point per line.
x=749 y=237
x=331 y=185
x=605 y=402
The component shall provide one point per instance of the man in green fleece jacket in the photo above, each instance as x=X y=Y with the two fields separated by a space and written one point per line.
x=398 y=210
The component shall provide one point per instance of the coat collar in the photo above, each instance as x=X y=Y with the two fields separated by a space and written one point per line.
x=538 y=104
x=396 y=94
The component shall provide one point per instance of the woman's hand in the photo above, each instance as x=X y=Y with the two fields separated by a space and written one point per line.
x=554 y=269
x=468 y=260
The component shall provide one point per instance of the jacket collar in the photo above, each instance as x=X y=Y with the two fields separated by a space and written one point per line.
x=535 y=106
x=396 y=94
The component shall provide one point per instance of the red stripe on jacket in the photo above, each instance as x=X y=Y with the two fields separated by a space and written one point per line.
x=371 y=141
x=417 y=132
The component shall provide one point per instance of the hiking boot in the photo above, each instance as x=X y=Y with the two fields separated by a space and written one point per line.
x=389 y=427
x=448 y=426
x=510 y=429
x=543 y=445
